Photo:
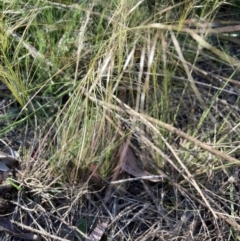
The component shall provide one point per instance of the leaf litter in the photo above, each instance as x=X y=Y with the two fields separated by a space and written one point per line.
x=130 y=166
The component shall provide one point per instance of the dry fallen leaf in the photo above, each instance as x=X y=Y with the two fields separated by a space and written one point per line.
x=8 y=160
x=130 y=166
x=7 y=226
x=98 y=232
x=3 y=167
x=127 y=162
x=94 y=172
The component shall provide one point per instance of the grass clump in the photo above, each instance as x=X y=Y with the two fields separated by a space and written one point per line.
x=126 y=110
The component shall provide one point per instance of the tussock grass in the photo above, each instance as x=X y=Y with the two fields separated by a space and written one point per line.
x=87 y=78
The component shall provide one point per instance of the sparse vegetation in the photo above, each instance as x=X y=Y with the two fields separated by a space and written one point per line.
x=125 y=115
